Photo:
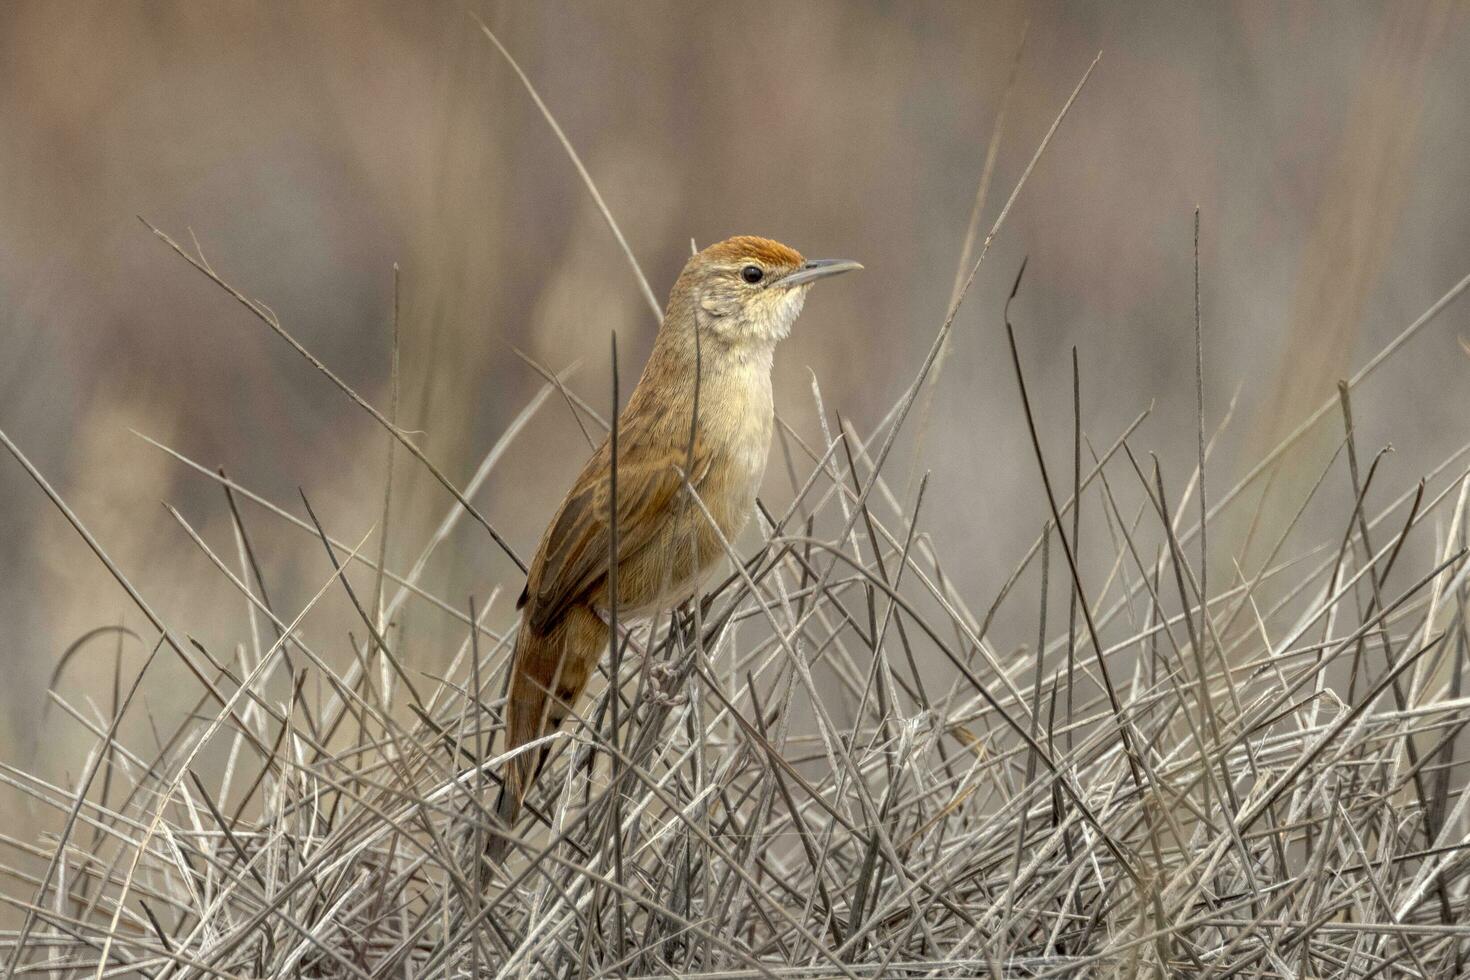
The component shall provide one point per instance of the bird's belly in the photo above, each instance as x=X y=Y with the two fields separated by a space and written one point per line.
x=674 y=567
x=671 y=596
x=671 y=570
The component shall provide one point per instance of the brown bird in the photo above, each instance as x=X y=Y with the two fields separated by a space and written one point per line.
x=729 y=308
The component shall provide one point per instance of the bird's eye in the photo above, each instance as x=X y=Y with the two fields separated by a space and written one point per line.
x=752 y=274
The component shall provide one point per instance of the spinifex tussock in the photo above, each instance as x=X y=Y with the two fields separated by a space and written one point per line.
x=1268 y=780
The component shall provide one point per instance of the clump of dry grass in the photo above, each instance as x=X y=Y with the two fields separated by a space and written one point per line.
x=832 y=765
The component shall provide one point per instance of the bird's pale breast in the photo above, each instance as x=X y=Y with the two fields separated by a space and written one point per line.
x=736 y=423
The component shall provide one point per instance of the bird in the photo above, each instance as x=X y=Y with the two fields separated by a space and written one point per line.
x=702 y=408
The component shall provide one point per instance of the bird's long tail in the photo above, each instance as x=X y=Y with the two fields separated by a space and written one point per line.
x=558 y=662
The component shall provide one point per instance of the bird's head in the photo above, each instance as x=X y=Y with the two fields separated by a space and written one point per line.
x=746 y=291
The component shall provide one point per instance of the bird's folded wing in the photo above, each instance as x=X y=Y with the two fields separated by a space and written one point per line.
x=573 y=558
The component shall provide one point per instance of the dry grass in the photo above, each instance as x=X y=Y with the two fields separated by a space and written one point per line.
x=832 y=766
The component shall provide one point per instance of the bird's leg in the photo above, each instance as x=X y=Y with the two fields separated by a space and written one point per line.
x=665 y=673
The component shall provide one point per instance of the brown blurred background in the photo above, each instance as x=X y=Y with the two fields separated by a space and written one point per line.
x=311 y=146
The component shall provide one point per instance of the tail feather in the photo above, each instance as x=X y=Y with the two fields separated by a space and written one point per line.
x=507 y=810
x=557 y=662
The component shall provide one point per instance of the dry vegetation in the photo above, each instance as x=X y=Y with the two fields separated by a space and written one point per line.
x=1197 y=763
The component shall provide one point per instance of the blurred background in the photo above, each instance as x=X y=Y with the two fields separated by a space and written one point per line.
x=310 y=147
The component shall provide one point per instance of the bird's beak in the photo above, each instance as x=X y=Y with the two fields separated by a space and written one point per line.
x=814 y=269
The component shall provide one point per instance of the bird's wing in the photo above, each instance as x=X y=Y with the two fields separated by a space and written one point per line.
x=573 y=556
